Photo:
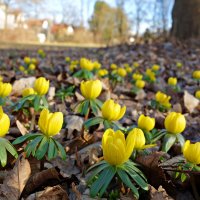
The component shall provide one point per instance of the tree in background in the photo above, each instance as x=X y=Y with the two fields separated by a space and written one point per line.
x=186 y=19
x=108 y=24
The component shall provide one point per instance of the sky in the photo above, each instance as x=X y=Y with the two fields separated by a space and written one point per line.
x=53 y=9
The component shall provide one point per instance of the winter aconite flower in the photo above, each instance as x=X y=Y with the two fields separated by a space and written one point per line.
x=139 y=139
x=175 y=123
x=5 y=89
x=96 y=65
x=121 y=72
x=163 y=99
x=196 y=74
x=155 y=67
x=197 y=94
x=137 y=76
x=102 y=72
x=4 y=123
x=41 y=86
x=86 y=64
x=28 y=91
x=172 y=81
x=91 y=89
x=112 y=111
x=146 y=123
x=140 y=84
x=50 y=123
x=113 y=66
x=192 y=152
x=117 y=149
x=31 y=67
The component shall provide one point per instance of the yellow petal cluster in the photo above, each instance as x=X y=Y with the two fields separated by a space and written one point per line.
x=102 y=72
x=91 y=89
x=163 y=99
x=86 y=64
x=121 y=72
x=196 y=74
x=155 y=67
x=5 y=89
x=4 y=123
x=112 y=111
x=140 y=84
x=192 y=152
x=172 y=81
x=137 y=76
x=50 y=124
x=146 y=123
x=41 y=86
x=197 y=94
x=28 y=91
x=117 y=149
x=175 y=122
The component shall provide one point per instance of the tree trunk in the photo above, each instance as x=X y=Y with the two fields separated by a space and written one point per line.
x=186 y=19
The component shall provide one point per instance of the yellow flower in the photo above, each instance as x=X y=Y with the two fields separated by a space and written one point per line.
x=136 y=64
x=113 y=66
x=4 y=123
x=41 y=86
x=196 y=74
x=140 y=84
x=5 y=89
x=72 y=67
x=137 y=76
x=146 y=123
x=151 y=75
x=27 y=60
x=21 y=68
x=175 y=123
x=34 y=61
x=121 y=72
x=91 y=89
x=1 y=78
x=86 y=64
x=172 y=81
x=155 y=67
x=197 y=94
x=129 y=69
x=163 y=99
x=31 y=67
x=97 y=65
x=117 y=150
x=102 y=72
x=28 y=91
x=179 y=64
x=192 y=152
x=50 y=123
x=67 y=59
x=112 y=111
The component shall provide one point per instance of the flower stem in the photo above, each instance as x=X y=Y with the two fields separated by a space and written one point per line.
x=33 y=115
x=83 y=128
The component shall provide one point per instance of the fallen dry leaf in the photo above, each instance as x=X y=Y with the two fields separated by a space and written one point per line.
x=190 y=101
x=16 y=180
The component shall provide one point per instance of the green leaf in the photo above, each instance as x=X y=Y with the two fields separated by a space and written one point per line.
x=61 y=149
x=42 y=149
x=45 y=103
x=85 y=107
x=107 y=124
x=93 y=121
x=23 y=138
x=96 y=165
x=94 y=107
x=78 y=73
x=102 y=180
x=11 y=149
x=97 y=170
x=181 y=139
x=52 y=149
x=168 y=141
x=137 y=178
x=107 y=182
x=133 y=165
x=126 y=180
x=98 y=102
x=158 y=135
x=31 y=146
x=183 y=177
x=3 y=155
x=37 y=103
